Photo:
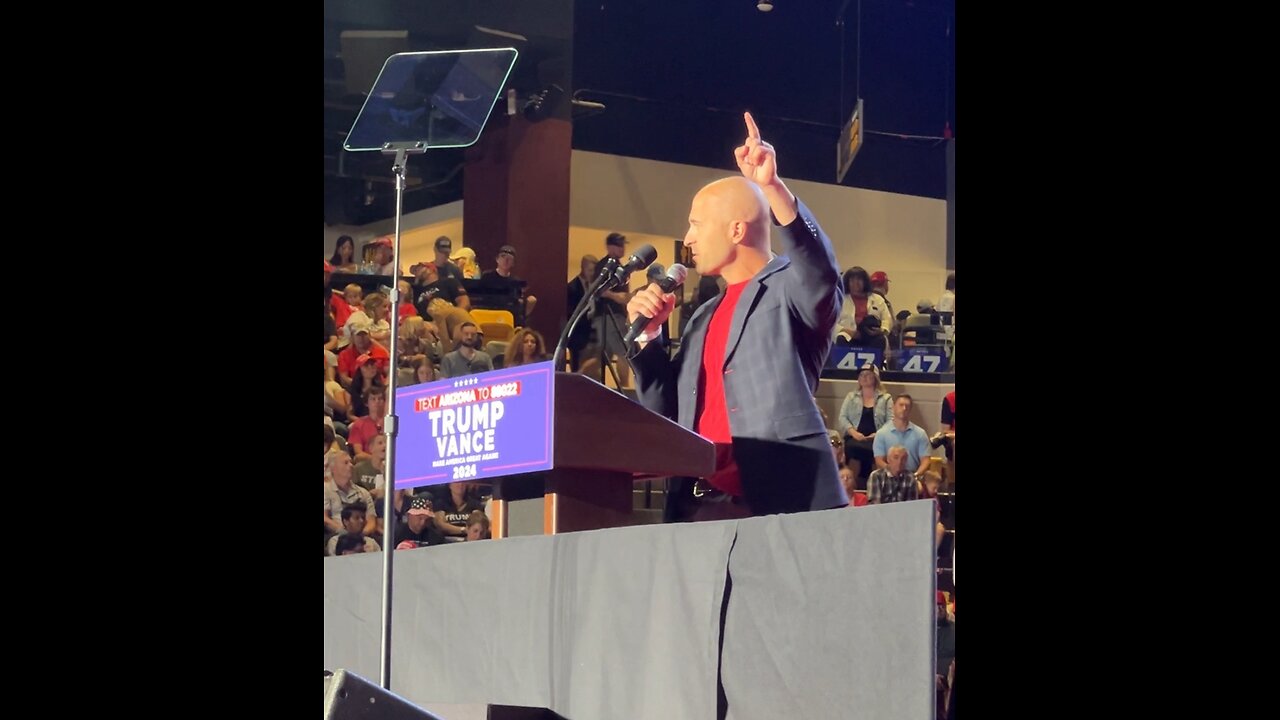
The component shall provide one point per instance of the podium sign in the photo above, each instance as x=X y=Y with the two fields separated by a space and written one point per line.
x=475 y=427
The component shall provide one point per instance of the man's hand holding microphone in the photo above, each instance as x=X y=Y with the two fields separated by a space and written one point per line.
x=651 y=307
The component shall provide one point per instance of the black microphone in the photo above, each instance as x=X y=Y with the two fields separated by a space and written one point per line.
x=607 y=267
x=673 y=279
x=642 y=258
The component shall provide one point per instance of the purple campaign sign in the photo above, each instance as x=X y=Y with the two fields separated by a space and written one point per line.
x=480 y=426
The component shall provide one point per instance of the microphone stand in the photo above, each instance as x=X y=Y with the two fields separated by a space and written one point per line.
x=622 y=338
x=587 y=298
x=604 y=345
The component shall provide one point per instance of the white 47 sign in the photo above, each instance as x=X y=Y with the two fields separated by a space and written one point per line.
x=855 y=360
x=917 y=363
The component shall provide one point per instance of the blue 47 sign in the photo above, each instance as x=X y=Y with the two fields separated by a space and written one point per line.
x=846 y=357
x=926 y=359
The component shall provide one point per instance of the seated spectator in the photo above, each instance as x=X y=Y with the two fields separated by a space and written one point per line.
x=361 y=344
x=863 y=412
x=407 y=310
x=847 y=479
x=384 y=259
x=443 y=250
x=330 y=332
x=368 y=376
x=349 y=545
x=378 y=310
x=337 y=403
x=880 y=286
x=370 y=474
x=427 y=334
x=418 y=528
x=901 y=431
x=353 y=522
x=344 y=255
x=504 y=278
x=430 y=286
x=892 y=483
x=468 y=359
x=477 y=526
x=334 y=440
x=424 y=372
x=413 y=344
x=929 y=485
x=453 y=505
x=340 y=492
x=526 y=347
x=928 y=489
x=364 y=429
x=865 y=320
x=353 y=300
x=342 y=309
x=464 y=259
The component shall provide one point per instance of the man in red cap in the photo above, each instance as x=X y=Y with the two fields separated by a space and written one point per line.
x=880 y=286
x=880 y=283
x=361 y=343
x=385 y=260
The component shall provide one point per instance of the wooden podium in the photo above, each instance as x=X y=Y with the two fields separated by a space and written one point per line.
x=603 y=443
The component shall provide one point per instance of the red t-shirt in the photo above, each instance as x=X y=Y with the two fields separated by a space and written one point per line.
x=363 y=431
x=713 y=412
x=859 y=309
x=341 y=310
x=347 y=359
x=407 y=310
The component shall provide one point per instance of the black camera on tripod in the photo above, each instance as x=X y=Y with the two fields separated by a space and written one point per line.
x=944 y=440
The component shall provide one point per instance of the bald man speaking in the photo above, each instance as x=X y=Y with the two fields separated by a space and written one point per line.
x=748 y=364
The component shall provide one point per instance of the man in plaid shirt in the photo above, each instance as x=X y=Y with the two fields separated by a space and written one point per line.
x=894 y=483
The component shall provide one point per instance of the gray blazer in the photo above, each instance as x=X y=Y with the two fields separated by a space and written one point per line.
x=778 y=343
